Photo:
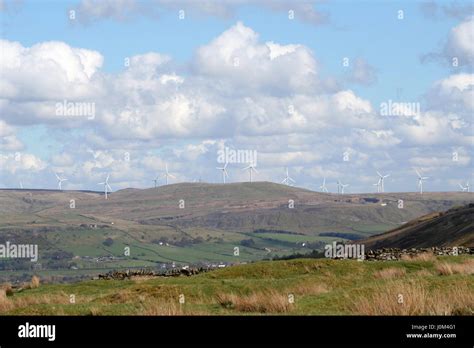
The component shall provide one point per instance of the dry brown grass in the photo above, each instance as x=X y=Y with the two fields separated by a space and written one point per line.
x=426 y=256
x=466 y=267
x=35 y=282
x=259 y=302
x=423 y=273
x=308 y=288
x=388 y=273
x=7 y=287
x=8 y=304
x=162 y=308
x=95 y=311
x=416 y=300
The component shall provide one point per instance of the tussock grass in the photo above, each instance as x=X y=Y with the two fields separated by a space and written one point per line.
x=166 y=308
x=258 y=302
x=7 y=288
x=466 y=267
x=425 y=257
x=308 y=288
x=388 y=273
x=9 y=304
x=35 y=282
x=414 y=298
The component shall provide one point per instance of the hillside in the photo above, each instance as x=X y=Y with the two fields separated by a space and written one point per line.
x=433 y=286
x=454 y=227
x=81 y=233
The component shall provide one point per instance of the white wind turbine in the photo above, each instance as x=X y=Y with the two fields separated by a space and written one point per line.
x=381 y=179
x=60 y=180
x=323 y=187
x=420 y=180
x=106 y=185
x=167 y=174
x=251 y=167
x=287 y=180
x=465 y=188
x=340 y=187
x=224 y=172
x=378 y=185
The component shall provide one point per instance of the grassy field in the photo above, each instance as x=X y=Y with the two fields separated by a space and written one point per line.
x=425 y=285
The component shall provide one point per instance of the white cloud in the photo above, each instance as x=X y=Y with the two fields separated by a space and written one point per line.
x=460 y=43
x=8 y=138
x=454 y=93
x=362 y=72
x=274 y=102
x=12 y=163
x=123 y=10
x=237 y=58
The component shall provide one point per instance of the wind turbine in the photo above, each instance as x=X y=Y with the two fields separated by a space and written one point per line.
x=155 y=180
x=466 y=188
x=340 y=187
x=378 y=185
x=167 y=174
x=323 y=186
x=106 y=185
x=381 y=179
x=287 y=180
x=60 y=180
x=224 y=172
x=21 y=185
x=420 y=180
x=251 y=167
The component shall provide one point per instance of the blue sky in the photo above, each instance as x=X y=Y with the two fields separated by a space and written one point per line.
x=391 y=48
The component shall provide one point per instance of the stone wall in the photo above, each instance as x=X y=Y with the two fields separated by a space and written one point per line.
x=393 y=254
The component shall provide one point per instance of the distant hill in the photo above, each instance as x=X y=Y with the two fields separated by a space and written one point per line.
x=454 y=227
x=198 y=222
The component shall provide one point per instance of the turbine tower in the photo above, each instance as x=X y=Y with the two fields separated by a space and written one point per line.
x=340 y=187
x=420 y=180
x=167 y=174
x=224 y=172
x=106 y=185
x=287 y=180
x=378 y=185
x=155 y=180
x=60 y=180
x=465 y=188
x=323 y=187
x=251 y=167
x=381 y=179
